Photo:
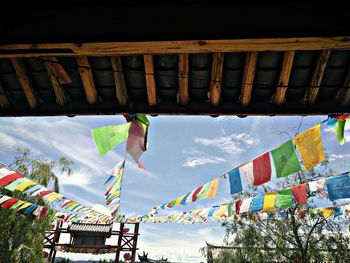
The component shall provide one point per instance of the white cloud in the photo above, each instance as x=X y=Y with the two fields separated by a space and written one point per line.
x=233 y=144
x=102 y=209
x=195 y=161
x=334 y=157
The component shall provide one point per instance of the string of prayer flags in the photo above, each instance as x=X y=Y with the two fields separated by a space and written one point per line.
x=108 y=137
x=8 y=176
x=300 y=193
x=338 y=187
x=285 y=159
x=310 y=147
x=235 y=181
x=284 y=198
x=245 y=206
x=269 y=201
x=338 y=124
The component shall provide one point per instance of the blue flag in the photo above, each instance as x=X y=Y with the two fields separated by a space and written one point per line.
x=235 y=181
x=338 y=186
x=257 y=203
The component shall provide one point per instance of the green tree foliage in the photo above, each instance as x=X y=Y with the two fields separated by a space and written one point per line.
x=21 y=236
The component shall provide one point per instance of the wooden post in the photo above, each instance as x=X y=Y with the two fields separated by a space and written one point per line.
x=248 y=77
x=216 y=78
x=183 y=79
x=120 y=237
x=55 y=240
x=150 y=80
x=134 y=247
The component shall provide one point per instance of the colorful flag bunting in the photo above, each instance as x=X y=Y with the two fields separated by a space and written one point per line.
x=285 y=159
x=300 y=193
x=262 y=169
x=235 y=181
x=310 y=147
x=108 y=137
x=9 y=178
x=338 y=187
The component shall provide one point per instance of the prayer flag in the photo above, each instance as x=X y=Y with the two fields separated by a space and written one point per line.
x=4 y=172
x=339 y=131
x=9 y=178
x=108 y=137
x=195 y=193
x=30 y=209
x=213 y=189
x=285 y=159
x=235 y=181
x=16 y=183
x=238 y=206
x=284 y=199
x=300 y=194
x=245 y=206
x=262 y=169
x=25 y=185
x=310 y=147
x=317 y=185
x=136 y=143
x=257 y=203
x=338 y=186
x=230 y=209
x=4 y=198
x=338 y=211
x=247 y=170
x=184 y=200
x=327 y=212
x=269 y=201
x=9 y=203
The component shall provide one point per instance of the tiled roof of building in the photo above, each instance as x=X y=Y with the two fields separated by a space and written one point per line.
x=95 y=228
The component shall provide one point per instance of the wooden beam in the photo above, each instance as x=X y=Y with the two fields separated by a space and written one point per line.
x=248 y=77
x=25 y=82
x=343 y=96
x=4 y=101
x=317 y=76
x=216 y=78
x=183 y=95
x=119 y=80
x=150 y=80
x=58 y=69
x=87 y=79
x=284 y=77
x=59 y=93
x=173 y=47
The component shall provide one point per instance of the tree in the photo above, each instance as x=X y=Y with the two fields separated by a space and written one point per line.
x=288 y=235
x=21 y=237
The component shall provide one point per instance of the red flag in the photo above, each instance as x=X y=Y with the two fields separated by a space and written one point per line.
x=262 y=169
x=43 y=212
x=238 y=205
x=195 y=193
x=136 y=143
x=44 y=193
x=9 y=203
x=9 y=178
x=300 y=194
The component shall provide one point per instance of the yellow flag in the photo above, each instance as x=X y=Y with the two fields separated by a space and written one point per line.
x=54 y=197
x=213 y=188
x=25 y=205
x=269 y=201
x=221 y=212
x=178 y=201
x=310 y=147
x=327 y=212
x=23 y=186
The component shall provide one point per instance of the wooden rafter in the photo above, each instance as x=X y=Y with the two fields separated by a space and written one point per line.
x=59 y=93
x=4 y=101
x=284 y=77
x=87 y=79
x=61 y=74
x=321 y=65
x=216 y=78
x=25 y=82
x=183 y=95
x=150 y=80
x=173 y=47
x=119 y=80
x=248 y=77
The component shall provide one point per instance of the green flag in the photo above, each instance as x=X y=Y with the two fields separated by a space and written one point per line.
x=284 y=199
x=143 y=119
x=230 y=209
x=204 y=191
x=108 y=137
x=339 y=131
x=285 y=159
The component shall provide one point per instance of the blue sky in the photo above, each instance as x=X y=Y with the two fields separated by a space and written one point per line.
x=183 y=153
